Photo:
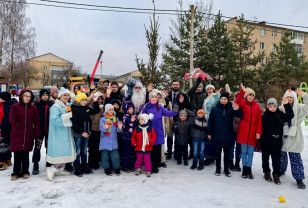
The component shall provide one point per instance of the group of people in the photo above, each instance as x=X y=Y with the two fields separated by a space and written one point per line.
x=123 y=130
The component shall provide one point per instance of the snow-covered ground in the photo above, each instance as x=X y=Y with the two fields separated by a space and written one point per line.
x=175 y=186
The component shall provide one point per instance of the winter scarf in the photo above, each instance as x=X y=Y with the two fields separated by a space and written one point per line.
x=145 y=138
x=110 y=120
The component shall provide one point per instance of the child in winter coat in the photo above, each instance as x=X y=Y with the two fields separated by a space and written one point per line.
x=271 y=141
x=5 y=129
x=293 y=138
x=82 y=124
x=250 y=127
x=143 y=139
x=110 y=126
x=43 y=105
x=130 y=123
x=157 y=123
x=220 y=130
x=198 y=131
x=25 y=129
x=181 y=131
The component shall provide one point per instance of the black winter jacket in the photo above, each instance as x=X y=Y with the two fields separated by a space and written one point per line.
x=196 y=98
x=220 y=124
x=6 y=126
x=44 y=111
x=198 y=128
x=81 y=118
x=272 y=126
x=181 y=138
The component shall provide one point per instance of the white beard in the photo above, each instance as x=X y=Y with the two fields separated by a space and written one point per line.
x=138 y=98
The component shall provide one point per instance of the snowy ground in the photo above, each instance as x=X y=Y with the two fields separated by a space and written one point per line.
x=175 y=186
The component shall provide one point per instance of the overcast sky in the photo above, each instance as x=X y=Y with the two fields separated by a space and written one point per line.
x=78 y=35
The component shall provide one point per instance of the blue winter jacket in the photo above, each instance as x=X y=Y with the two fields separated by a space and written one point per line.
x=108 y=142
x=220 y=124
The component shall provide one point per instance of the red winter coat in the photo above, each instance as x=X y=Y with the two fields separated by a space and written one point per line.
x=137 y=139
x=25 y=124
x=251 y=122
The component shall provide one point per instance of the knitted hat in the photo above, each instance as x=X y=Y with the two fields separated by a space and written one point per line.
x=117 y=102
x=63 y=91
x=225 y=94
x=108 y=107
x=44 y=91
x=272 y=101
x=152 y=93
x=201 y=85
x=201 y=111
x=209 y=86
x=6 y=96
x=249 y=91
x=53 y=89
x=291 y=93
x=80 y=96
x=130 y=105
x=182 y=112
x=146 y=117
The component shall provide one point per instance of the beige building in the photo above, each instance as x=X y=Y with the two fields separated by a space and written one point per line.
x=268 y=35
x=134 y=74
x=50 y=69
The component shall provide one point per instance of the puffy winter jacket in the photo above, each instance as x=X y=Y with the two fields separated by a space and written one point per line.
x=137 y=138
x=220 y=124
x=108 y=142
x=25 y=124
x=128 y=126
x=251 y=121
x=196 y=98
x=44 y=112
x=181 y=138
x=198 y=128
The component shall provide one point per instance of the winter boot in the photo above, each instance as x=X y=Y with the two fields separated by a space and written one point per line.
x=138 y=171
x=148 y=174
x=267 y=177
x=117 y=171
x=78 y=171
x=245 y=173
x=227 y=172
x=276 y=179
x=2 y=165
x=208 y=161
x=217 y=172
x=86 y=169
x=169 y=156
x=179 y=162
x=185 y=163
x=163 y=165
x=300 y=184
x=249 y=173
x=35 y=169
x=237 y=166
x=26 y=176
x=50 y=172
x=108 y=172
x=194 y=165
x=14 y=177
x=69 y=167
x=231 y=165
x=201 y=165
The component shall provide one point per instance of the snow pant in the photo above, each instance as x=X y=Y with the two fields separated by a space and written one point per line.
x=237 y=149
x=36 y=157
x=226 y=158
x=247 y=154
x=297 y=167
x=21 y=163
x=5 y=152
x=182 y=152
x=156 y=156
x=209 y=150
x=93 y=145
x=198 y=147
x=128 y=154
x=112 y=155
x=144 y=157
x=81 y=144
x=275 y=153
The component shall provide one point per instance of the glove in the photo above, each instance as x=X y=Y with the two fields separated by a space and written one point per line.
x=199 y=79
x=176 y=108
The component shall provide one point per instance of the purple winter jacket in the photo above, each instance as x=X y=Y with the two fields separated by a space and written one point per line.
x=157 y=122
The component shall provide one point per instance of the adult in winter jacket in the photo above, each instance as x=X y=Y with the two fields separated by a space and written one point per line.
x=43 y=105
x=212 y=98
x=293 y=138
x=113 y=93
x=158 y=111
x=220 y=130
x=196 y=95
x=61 y=145
x=5 y=129
x=143 y=140
x=82 y=125
x=24 y=118
x=181 y=130
x=271 y=140
x=250 y=127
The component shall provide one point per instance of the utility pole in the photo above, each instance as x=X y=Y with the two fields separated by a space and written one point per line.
x=191 y=68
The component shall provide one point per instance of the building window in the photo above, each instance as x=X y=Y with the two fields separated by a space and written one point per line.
x=262 y=60
x=46 y=68
x=262 y=31
x=262 y=45
x=299 y=49
x=248 y=29
x=274 y=33
x=273 y=47
x=58 y=68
